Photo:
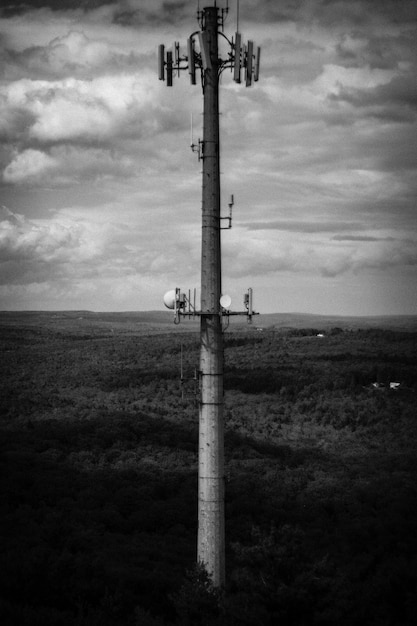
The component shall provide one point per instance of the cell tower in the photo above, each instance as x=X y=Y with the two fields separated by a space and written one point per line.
x=202 y=56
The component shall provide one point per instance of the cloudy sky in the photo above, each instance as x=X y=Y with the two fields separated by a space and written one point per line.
x=100 y=193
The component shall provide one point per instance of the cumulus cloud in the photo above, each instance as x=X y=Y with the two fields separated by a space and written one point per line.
x=77 y=245
x=394 y=100
x=66 y=249
x=72 y=55
x=78 y=110
x=87 y=127
x=28 y=165
x=39 y=248
x=375 y=253
x=305 y=226
x=134 y=11
x=266 y=253
x=67 y=164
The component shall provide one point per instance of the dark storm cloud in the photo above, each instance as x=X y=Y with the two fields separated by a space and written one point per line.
x=394 y=10
x=14 y=123
x=362 y=238
x=303 y=226
x=330 y=13
x=74 y=55
x=397 y=99
x=271 y=11
x=376 y=50
x=361 y=12
x=17 y=7
x=327 y=12
x=172 y=12
x=124 y=12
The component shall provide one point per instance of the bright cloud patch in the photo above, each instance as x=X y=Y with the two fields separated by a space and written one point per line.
x=40 y=248
x=30 y=164
x=78 y=110
x=100 y=245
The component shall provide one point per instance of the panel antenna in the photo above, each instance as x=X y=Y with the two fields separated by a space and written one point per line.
x=191 y=60
x=161 y=62
x=249 y=64
x=237 y=58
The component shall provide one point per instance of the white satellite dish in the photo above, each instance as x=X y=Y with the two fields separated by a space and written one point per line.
x=225 y=301
x=169 y=299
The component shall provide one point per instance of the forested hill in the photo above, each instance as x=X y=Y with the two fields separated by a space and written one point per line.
x=305 y=320
x=127 y=321
x=99 y=464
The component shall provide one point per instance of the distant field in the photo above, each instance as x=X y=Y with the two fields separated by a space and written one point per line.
x=163 y=321
x=89 y=322
x=302 y=320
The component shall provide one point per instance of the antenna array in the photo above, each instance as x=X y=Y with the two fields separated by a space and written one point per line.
x=241 y=58
x=184 y=305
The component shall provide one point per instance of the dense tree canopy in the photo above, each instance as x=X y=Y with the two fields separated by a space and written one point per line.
x=99 y=478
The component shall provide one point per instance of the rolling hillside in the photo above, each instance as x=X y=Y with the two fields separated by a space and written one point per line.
x=160 y=321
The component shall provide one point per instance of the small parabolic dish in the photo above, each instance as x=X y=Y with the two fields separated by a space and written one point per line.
x=169 y=299
x=225 y=301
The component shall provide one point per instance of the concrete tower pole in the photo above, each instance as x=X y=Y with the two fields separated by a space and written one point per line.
x=211 y=524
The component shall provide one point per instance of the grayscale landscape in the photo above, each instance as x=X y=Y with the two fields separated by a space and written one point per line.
x=208 y=313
